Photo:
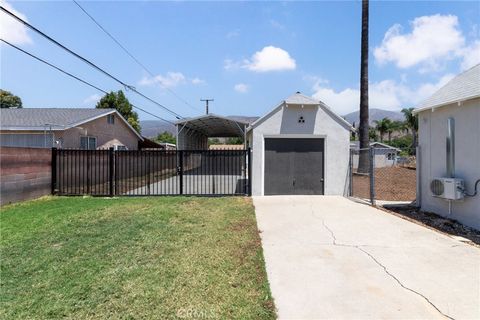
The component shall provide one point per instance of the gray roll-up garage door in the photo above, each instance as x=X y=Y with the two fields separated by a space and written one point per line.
x=294 y=166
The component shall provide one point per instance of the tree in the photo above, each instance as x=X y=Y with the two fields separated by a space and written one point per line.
x=9 y=100
x=235 y=140
x=383 y=126
x=394 y=126
x=372 y=134
x=165 y=137
x=117 y=100
x=411 y=121
x=363 y=161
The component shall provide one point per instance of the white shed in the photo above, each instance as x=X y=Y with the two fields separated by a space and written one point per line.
x=300 y=147
x=449 y=147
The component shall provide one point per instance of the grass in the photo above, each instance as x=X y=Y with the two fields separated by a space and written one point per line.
x=130 y=258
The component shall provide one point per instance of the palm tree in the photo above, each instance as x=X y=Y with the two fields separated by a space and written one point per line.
x=383 y=126
x=411 y=122
x=372 y=134
x=394 y=126
x=363 y=161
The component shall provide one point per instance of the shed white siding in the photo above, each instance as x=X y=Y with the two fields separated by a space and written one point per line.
x=432 y=164
x=319 y=123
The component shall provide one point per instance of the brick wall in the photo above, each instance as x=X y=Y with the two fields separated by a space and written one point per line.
x=25 y=173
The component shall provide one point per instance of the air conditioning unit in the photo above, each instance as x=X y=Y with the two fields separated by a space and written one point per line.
x=447 y=188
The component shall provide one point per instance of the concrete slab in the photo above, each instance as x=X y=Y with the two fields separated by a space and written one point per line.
x=329 y=257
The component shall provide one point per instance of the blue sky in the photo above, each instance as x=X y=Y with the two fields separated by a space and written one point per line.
x=248 y=56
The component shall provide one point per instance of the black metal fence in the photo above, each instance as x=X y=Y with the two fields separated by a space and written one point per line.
x=152 y=172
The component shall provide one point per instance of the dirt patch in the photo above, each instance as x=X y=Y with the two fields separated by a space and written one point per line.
x=391 y=183
x=436 y=222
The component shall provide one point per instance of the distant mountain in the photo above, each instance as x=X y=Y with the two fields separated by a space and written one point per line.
x=151 y=128
x=374 y=114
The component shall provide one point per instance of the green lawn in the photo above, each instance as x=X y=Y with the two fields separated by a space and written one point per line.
x=131 y=258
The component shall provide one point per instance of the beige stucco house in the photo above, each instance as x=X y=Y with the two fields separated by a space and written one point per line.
x=449 y=147
x=70 y=128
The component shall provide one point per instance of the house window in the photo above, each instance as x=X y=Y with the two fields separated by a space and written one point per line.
x=111 y=119
x=88 y=143
x=390 y=156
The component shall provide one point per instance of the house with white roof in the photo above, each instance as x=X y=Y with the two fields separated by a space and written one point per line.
x=448 y=157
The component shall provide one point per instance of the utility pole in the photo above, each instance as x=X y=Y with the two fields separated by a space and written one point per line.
x=206 y=103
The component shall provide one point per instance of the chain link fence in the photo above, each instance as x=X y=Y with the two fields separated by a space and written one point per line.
x=379 y=174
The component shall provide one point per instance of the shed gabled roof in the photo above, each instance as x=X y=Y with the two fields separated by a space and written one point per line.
x=355 y=145
x=303 y=100
x=463 y=87
x=299 y=98
x=39 y=119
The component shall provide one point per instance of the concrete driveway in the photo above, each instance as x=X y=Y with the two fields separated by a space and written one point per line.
x=330 y=257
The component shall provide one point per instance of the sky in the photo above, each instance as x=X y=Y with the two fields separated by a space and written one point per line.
x=247 y=56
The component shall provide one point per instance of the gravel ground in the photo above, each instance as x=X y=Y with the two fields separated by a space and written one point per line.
x=436 y=222
x=391 y=183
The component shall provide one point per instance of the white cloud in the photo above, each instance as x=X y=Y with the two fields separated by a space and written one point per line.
x=315 y=80
x=270 y=58
x=470 y=55
x=198 y=81
x=241 y=87
x=431 y=40
x=10 y=29
x=229 y=64
x=93 y=99
x=170 y=80
x=341 y=102
x=386 y=94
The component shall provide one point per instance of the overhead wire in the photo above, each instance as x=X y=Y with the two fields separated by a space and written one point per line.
x=93 y=65
x=76 y=78
x=130 y=54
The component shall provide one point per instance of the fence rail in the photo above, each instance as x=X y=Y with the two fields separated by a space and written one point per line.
x=151 y=172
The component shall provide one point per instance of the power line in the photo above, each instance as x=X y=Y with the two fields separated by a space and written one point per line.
x=75 y=77
x=126 y=86
x=130 y=54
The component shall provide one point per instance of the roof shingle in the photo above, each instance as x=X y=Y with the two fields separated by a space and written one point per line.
x=38 y=118
x=464 y=86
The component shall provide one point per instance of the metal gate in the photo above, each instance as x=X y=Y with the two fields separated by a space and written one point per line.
x=150 y=173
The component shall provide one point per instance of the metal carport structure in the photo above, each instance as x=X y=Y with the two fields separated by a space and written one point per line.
x=193 y=133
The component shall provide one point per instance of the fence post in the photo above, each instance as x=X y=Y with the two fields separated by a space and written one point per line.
x=418 y=161
x=111 y=167
x=350 y=177
x=54 y=169
x=180 y=170
x=249 y=158
x=89 y=159
x=372 y=176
